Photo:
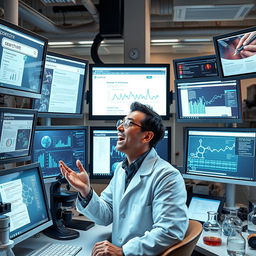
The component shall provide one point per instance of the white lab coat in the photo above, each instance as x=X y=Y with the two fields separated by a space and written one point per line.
x=150 y=215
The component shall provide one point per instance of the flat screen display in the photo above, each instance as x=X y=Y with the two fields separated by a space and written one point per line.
x=103 y=154
x=16 y=134
x=113 y=87
x=236 y=55
x=22 y=56
x=208 y=100
x=24 y=189
x=52 y=144
x=196 y=67
x=63 y=86
x=228 y=153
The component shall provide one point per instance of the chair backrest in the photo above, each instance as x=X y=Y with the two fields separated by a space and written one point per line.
x=187 y=245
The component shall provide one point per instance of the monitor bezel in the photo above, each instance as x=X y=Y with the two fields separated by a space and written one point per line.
x=218 y=57
x=112 y=128
x=47 y=223
x=21 y=111
x=210 y=119
x=197 y=58
x=22 y=92
x=67 y=115
x=60 y=128
x=116 y=117
x=216 y=178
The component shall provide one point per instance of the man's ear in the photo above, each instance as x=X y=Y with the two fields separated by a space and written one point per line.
x=148 y=136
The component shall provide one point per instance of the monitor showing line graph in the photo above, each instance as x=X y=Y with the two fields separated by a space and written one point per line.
x=55 y=143
x=208 y=100
x=104 y=157
x=116 y=86
x=221 y=152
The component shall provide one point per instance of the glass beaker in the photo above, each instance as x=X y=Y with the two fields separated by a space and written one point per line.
x=212 y=230
x=235 y=241
x=252 y=220
x=231 y=219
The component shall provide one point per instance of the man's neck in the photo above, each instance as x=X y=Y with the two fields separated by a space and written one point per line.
x=132 y=158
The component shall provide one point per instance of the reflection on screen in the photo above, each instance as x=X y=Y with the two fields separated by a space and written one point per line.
x=117 y=87
x=53 y=145
x=63 y=85
x=21 y=60
x=105 y=157
x=209 y=100
x=228 y=154
x=23 y=189
x=16 y=132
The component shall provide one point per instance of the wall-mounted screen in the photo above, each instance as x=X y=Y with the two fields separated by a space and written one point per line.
x=207 y=100
x=228 y=153
x=103 y=154
x=63 y=86
x=55 y=143
x=196 y=67
x=24 y=189
x=22 y=56
x=113 y=87
x=236 y=55
x=16 y=134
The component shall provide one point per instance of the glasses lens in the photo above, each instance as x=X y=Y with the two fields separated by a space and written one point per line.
x=119 y=122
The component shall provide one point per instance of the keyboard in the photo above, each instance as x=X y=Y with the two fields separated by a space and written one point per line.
x=57 y=249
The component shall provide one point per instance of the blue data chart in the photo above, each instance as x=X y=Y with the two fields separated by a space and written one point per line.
x=135 y=96
x=115 y=155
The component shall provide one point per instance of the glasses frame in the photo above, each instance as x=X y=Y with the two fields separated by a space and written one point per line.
x=127 y=123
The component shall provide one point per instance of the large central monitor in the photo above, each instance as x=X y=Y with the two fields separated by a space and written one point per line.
x=227 y=153
x=103 y=154
x=22 y=56
x=63 y=86
x=16 y=134
x=23 y=187
x=207 y=100
x=55 y=143
x=113 y=87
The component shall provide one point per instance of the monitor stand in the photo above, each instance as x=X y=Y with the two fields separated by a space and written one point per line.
x=230 y=195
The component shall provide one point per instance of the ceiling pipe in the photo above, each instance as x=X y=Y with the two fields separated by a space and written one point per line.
x=89 y=5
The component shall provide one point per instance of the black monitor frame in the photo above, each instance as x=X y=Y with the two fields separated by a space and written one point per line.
x=60 y=128
x=192 y=59
x=218 y=55
x=111 y=128
x=115 y=117
x=214 y=177
x=81 y=91
x=21 y=237
x=179 y=117
x=20 y=91
x=21 y=111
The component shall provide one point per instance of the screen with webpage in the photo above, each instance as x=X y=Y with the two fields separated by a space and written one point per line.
x=116 y=87
x=54 y=144
x=23 y=188
x=63 y=85
x=197 y=67
x=105 y=157
x=221 y=153
x=209 y=100
x=22 y=57
x=16 y=130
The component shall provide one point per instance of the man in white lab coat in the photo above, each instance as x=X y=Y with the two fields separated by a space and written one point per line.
x=146 y=198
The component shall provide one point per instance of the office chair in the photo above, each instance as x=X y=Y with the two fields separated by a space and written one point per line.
x=187 y=245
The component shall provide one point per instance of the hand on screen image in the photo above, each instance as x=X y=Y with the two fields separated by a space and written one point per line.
x=79 y=181
x=246 y=46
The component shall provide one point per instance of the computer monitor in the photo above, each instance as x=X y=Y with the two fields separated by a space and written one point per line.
x=16 y=134
x=196 y=67
x=23 y=187
x=63 y=87
x=226 y=153
x=233 y=61
x=103 y=154
x=22 y=56
x=55 y=143
x=207 y=100
x=113 y=87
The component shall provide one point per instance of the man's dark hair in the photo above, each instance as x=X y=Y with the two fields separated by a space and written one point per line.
x=152 y=122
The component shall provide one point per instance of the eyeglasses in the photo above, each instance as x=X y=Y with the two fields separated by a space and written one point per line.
x=127 y=123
